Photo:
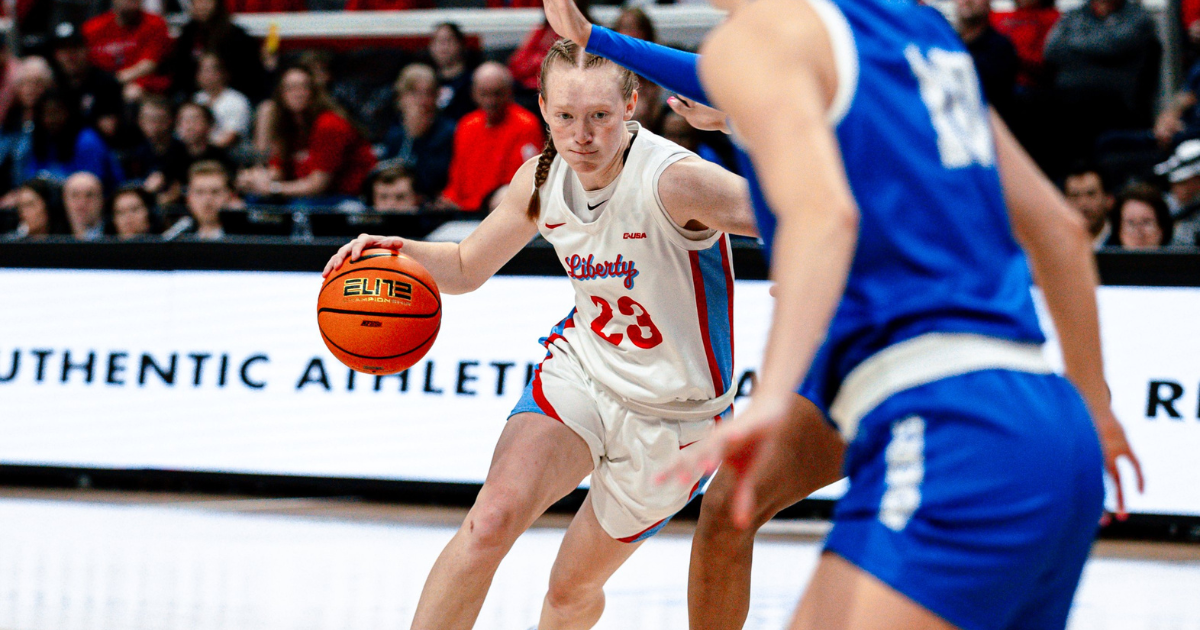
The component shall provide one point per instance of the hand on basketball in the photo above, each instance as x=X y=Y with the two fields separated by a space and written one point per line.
x=745 y=446
x=354 y=249
x=701 y=117
x=1116 y=446
x=568 y=21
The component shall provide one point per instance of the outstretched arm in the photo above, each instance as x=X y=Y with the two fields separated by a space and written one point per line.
x=673 y=69
x=1060 y=254
x=698 y=195
x=463 y=267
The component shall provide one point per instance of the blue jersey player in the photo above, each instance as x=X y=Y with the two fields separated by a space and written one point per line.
x=898 y=204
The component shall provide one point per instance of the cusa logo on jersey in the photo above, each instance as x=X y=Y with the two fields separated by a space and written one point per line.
x=632 y=235
x=580 y=268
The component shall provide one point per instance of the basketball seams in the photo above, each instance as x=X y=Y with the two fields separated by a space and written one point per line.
x=423 y=343
x=338 y=311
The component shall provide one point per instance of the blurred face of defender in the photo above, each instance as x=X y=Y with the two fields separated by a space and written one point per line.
x=586 y=113
x=206 y=195
x=32 y=210
x=131 y=217
x=297 y=90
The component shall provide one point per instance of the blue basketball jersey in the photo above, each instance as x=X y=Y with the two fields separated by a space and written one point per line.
x=935 y=249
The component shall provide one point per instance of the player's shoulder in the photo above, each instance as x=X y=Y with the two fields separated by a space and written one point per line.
x=781 y=28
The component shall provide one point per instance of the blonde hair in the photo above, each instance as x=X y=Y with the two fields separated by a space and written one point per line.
x=565 y=51
x=412 y=74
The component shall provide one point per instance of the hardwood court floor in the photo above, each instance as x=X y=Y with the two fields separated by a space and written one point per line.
x=132 y=561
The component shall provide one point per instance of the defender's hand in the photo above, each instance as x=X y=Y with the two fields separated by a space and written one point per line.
x=354 y=249
x=568 y=21
x=1116 y=446
x=745 y=445
x=701 y=117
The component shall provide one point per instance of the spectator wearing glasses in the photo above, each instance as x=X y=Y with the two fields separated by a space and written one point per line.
x=423 y=142
x=1143 y=221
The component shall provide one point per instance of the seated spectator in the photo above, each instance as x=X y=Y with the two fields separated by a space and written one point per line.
x=448 y=51
x=1085 y=190
x=1183 y=173
x=995 y=57
x=193 y=127
x=95 y=92
x=34 y=78
x=160 y=159
x=133 y=213
x=525 y=64
x=208 y=192
x=317 y=62
x=60 y=145
x=38 y=210
x=1143 y=221
x=1027 y=27
x=266 y=6
x=490 y=143
x=129 y=43
x=210 y=30
x=8 y=77
x=319 y=156
x=392 y=191
x=83 y=198
x=634 y=22
x=1104 y=59
x=230 y=108
x=423 y=142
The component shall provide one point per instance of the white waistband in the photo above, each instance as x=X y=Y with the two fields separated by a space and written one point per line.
x=925 y=359
x=677 y=410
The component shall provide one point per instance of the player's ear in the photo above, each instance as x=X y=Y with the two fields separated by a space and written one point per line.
x=631 y=105
x=542 y=106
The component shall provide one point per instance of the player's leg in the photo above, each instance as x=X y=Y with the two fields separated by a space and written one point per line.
x=719 y=574
x=538 y=460
x=587 y=558
x=842 y=596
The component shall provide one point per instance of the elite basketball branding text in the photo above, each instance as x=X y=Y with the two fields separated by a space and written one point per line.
x=382 y=291
x=580 y=268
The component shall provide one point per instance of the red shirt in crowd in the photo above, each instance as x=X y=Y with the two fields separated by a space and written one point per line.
x=266 y=6
x=1190 y=12
x=526 y=63
x=486 y=158
x=334 y=147
x=387 y=5
x=1027 y=29
x=113 y=47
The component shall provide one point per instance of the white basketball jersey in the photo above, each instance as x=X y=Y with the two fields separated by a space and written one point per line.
x=654 y=308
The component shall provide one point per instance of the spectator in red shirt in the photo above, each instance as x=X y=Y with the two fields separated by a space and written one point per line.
x=129 y=43
x=1026 y=27
x=490 y=143
x=266 y=6
x=318 y=155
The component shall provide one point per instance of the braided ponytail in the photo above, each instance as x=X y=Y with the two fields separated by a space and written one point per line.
x=539 y=178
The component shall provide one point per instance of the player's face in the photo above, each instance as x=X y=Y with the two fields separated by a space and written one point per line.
x=586 y=114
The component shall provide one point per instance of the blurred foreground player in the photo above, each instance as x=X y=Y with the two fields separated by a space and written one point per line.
x=896 y=206
x=640 y=369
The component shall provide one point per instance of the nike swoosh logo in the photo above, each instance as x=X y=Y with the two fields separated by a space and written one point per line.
x=688 y=444
x=591 y=207
x=551 y=226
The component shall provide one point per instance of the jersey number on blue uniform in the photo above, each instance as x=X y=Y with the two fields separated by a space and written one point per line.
x=950 y=90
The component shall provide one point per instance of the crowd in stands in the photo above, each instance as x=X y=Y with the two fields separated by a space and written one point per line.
x=118 y=126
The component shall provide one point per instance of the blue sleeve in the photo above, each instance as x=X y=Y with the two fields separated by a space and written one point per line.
x=673 y=69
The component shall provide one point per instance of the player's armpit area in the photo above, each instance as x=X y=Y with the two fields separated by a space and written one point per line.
x=696 y=191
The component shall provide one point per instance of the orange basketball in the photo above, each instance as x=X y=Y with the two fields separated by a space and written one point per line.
x=381 y=313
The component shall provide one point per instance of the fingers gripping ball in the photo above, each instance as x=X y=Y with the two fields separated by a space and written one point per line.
x=381 y=313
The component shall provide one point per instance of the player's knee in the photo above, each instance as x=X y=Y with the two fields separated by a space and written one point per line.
x=716 y=517
x=570 y=598
x=497 y=519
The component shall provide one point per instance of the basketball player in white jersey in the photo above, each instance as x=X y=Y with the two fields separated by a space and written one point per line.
x=641 y=368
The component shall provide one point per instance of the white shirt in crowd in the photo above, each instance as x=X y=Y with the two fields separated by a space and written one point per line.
x=231 y=110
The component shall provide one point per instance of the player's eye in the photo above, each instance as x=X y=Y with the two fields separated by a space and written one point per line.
x=564 y=117
x=601 y=115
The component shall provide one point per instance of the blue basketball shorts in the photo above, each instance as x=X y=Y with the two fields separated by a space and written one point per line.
x=977 y=496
